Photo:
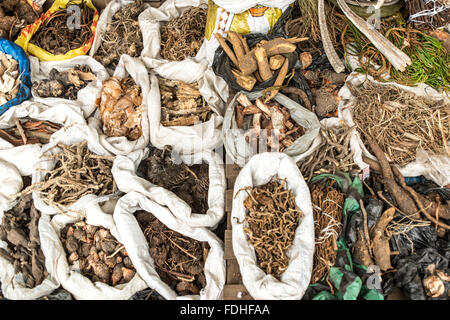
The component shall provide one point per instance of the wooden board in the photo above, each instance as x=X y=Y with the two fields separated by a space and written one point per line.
x=236 y=292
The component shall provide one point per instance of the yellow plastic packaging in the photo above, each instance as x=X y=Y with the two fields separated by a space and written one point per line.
x=25 y=36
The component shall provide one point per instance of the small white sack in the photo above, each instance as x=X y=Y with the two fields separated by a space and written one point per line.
x=151 y=20
x=13 y=286
x=86 y=97
x=106 y=17
x=188 y=139
x=121 y=145
x=261 y=169
x=19 y=161
x=138 y=249
x=434 y=167
x=240 y=151
x=81 y=287
x=124 y=169
x=70 y=136
x=355 y=144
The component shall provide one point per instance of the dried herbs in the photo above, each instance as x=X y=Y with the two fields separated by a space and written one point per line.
x=189 y=183
x=9 y=78
x=327 y=203
x=65 y=84
x=14 y=16
x=19 y=229
x=271 y=120
x=272 y=219
x=77 y=172
x=182 y=37
x=121 y=108
x=332 y=155
x=95 y=253
x=28 y=131
x=182 y=104
x=122 y=36
x=55 y=36
x=179 y=260
x=400 y=121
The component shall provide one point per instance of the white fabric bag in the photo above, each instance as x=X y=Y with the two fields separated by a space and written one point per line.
x=198 y=137
x=240 y=151
x=86 y=97
x=124 y=169
x=261 y=169
x=121 y=145
x=81 y=287
x=434 y=167
x=138 y=249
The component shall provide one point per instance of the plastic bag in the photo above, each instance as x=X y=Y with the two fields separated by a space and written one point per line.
x=261 y=169
x=137 y=246
x=81 y=287
x=243 y=17
x=20 y=56
x=27 y=33
x=198 y=137
x=86 y=97
x=124 y=172
x=240 y=151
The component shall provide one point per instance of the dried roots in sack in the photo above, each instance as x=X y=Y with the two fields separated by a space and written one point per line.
x=121 y=108
x=9 y=78
x=27 y=131
x=179 y=260
x=270 y=120
x=122 y=36
x=400 y=121
x=182 y=37
x=96 y=254
x=14 y=16
x=271 y=222
x=77 y=172
x=189 y=183
x=182 y=104
x=332 y=155
x=327 y=202
x=65 y=84
x=57 y=37
x=19 y=229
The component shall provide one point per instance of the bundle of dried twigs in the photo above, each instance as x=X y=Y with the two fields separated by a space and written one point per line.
x=400 y=121
x=272 y=218
x=29 y=132
x=327 y=204
x=77 y=172
x=332 y=155
x=55 y=36
x=183 y=36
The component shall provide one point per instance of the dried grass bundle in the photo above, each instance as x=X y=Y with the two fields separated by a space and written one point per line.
x=272 y=220
x=327 y=204
x=183 y=36
x=401 y=122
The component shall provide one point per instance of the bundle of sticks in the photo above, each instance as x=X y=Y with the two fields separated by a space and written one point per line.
x=29 y=132
x=259 y=63
x=269 y=119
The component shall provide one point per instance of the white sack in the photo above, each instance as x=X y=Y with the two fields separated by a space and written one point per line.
x=70 y=136
x=138 y=250
x=124 y=169
x=81 y=287
x=261 y=169
x=198 y=137
x=13 y=286
x=434 y=167
x=121 y=145
x=85 y=97
x=234 y=138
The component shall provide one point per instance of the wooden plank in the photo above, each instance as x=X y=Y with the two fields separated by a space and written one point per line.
x=229 y=220
x=232 y=170
x=230 y=182
x=228 y=200
x=228 y=252
x=233 y=273
x=236 y=292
